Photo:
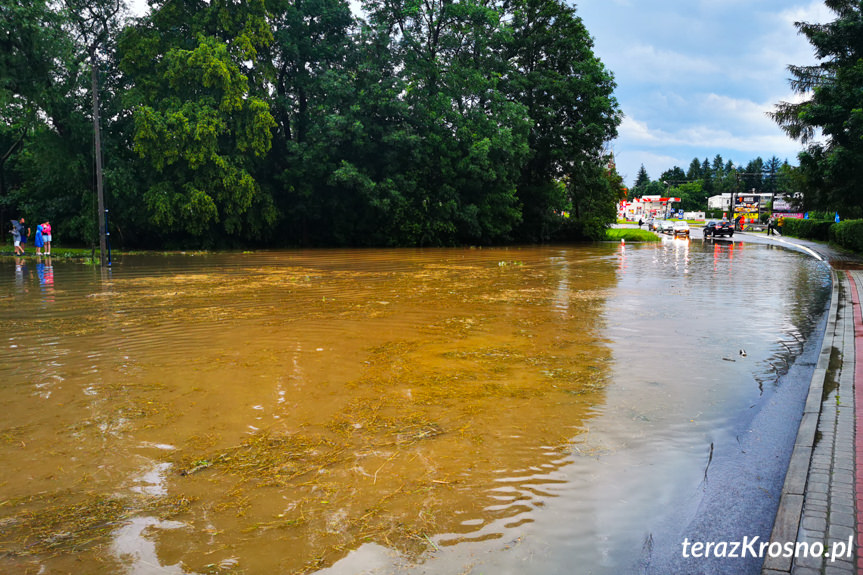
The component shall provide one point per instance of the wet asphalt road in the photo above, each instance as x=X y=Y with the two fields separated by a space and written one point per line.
x=764 y=452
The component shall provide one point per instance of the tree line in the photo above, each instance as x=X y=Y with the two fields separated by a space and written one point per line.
x=703 y=179
x=296 y=122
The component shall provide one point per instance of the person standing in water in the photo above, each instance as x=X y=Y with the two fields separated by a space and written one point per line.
x=17 y=233
x=46 y=237
x=38 y=242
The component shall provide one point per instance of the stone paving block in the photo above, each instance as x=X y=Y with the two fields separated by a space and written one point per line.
x=805 y=571
x=811 y=522
x=817 y=496
x=844 y=519
x=837 y=508
x=811 y=536
x=814 y=523
x=817 y=487
x=842 y=563
x=840 y=532
x=806 y=561
x=842 y=495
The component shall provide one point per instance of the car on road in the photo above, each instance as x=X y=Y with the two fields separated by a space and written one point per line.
x=666 y=227
x=715 y=228
x=680 y=228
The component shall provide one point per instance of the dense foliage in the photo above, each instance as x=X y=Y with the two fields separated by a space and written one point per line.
x=830 y=117
x=272 y=122
x=848 y=234
x=808 y=229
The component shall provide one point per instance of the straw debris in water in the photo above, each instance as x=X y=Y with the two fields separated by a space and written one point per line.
x=67 y=522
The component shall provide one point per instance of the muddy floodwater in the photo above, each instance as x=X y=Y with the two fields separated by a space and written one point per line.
x=536 y=410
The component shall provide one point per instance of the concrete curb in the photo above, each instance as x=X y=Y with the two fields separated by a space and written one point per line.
x=787 y=523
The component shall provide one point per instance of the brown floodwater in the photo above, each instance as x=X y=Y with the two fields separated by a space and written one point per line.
x=382 y=411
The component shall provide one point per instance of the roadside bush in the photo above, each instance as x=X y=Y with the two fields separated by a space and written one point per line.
x=848 y=234
x=807 y=229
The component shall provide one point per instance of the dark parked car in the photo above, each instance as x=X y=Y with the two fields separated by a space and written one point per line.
x=718 y=228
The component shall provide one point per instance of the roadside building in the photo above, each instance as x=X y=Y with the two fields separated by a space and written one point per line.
x=749 y=206
x=647 y=207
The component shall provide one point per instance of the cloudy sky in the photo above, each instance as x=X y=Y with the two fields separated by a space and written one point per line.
x=695 y=78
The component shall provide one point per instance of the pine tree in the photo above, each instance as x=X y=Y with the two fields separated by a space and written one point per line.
x=832 y=169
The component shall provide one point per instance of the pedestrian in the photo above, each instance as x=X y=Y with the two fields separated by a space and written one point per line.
x=25 y=236
x=770 y=223
x=17 y=231
x=779 y=225
x=46 y=237
x=640 y=223
x=38 y=241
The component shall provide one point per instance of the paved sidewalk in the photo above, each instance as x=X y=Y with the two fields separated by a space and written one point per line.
x=821 y=506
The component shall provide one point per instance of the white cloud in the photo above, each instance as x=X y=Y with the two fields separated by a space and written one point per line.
x=643 y=62
x=726 y=123
x=815 y=11
x=742 y=134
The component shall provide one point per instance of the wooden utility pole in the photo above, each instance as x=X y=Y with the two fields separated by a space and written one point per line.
x=92 y=20
x=97 y=140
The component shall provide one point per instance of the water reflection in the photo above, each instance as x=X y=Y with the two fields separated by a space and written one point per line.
x=326 y=410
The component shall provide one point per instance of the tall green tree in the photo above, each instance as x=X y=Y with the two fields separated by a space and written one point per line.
x=691 y=196
x=833 y=106
x=470 y=139
x=316 y=85
x=694 y=172
x=641 y=180
x=568 y=94
x=675 y=175
x=197 y=121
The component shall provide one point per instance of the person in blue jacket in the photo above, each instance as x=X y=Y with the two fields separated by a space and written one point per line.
x=38 y=242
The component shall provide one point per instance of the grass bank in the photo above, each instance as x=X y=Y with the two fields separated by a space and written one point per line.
x=630 y=235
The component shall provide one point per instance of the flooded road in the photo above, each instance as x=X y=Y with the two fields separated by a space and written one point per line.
x=392 y=411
